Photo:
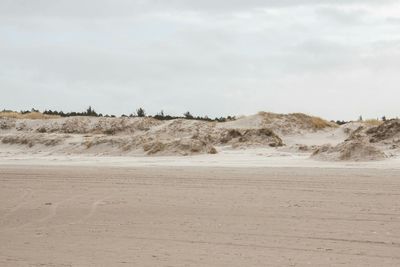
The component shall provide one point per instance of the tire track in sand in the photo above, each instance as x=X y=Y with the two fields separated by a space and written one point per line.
x=52 y=213
x=92 y=211
x=20 y=204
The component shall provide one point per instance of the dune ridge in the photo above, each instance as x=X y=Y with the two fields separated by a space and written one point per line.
x=138 y=136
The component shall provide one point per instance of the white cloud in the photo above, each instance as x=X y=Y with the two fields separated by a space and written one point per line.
x=209 y=57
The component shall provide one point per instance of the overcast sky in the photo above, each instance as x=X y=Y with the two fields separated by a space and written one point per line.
x=333 y=58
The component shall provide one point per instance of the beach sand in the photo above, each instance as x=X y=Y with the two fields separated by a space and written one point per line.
x=198 y=216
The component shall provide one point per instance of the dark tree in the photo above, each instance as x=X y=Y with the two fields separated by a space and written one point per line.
x=342 y=122
x=90 y=112
x=188 y=115
x=140 y=112
x=160 y=116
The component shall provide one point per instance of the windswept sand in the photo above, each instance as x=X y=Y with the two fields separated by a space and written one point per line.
x=198 y=216
x=148 y=136
x=138 y=137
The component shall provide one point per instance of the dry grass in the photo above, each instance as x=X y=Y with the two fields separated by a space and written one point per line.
x=315 y=122
x=31 y=115
x=319 y=123
x=373 y=122
x=271 y=114
x=31 y=140
x=301 y=118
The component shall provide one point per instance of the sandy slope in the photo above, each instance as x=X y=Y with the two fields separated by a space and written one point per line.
x=148 y=136
x=198 y=216
x=284 y=133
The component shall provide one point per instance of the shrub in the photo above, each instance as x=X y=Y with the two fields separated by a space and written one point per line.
x=140 y=112
x=188 y=115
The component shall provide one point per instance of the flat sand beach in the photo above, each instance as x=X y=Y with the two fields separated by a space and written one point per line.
x=198 y=216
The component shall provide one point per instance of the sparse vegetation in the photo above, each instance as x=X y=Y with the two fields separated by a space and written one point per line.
x=26 y=115
x=90 y=112
x=319 y=123
x=313 y=122
x=386 y=130
x=373 y=122
x=31 y=140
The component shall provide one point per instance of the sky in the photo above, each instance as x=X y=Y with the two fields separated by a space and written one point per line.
x=337 y=59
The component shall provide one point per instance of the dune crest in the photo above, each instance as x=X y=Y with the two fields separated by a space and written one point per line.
x=138 y=136
x=368 y=142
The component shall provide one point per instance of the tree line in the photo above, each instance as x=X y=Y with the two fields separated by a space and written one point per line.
x=360 y=119
x=140 y=112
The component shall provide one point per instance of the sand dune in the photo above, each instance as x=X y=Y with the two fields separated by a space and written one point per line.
x=296 y=133
x=366 y=142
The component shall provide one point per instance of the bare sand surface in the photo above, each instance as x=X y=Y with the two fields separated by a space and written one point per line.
x=198 y=216
x=243 y=158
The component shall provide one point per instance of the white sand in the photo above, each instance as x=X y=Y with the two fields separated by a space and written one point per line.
x=247 y=158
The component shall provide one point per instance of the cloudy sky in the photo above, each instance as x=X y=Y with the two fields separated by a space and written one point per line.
x=333 y=58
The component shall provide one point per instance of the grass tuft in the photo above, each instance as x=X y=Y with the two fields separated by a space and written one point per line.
x=31 y=115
